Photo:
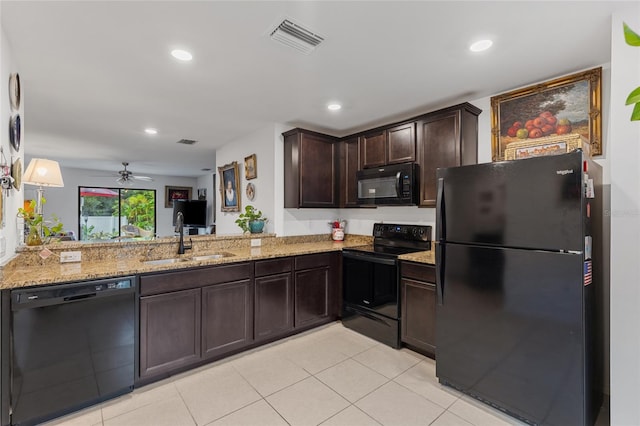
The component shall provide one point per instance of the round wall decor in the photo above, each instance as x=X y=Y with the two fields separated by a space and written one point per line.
x=250 y=191
x=14 y=132
x=14 y=91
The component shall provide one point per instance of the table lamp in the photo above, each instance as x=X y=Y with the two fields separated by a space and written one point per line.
x=41 y=172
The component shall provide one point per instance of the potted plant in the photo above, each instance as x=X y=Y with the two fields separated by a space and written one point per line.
x=251 y=220
x=37 y=225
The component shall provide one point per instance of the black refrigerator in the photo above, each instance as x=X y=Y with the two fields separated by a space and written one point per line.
x=519 y=307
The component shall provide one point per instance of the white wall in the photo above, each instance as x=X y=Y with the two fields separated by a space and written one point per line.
x=64 y=201
x=624 y=157
x=262 y=143
x=9 y=232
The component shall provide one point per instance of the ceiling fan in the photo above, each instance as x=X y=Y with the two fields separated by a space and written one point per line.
x=127 y=177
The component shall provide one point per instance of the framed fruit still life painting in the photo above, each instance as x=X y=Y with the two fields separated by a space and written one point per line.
x=568 y=105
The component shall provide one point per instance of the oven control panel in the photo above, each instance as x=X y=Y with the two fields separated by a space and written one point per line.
x=402 y=232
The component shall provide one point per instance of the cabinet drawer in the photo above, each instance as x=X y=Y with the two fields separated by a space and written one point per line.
x=275 y=266
x=309 y=261
x=418 y=272
x=193 y=278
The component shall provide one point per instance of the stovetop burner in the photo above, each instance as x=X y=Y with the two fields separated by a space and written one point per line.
x=394 y=240
x=384 y=250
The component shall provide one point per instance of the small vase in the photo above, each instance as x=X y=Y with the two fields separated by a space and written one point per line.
x=256 y=226
x=337 y=234
x=33 y=238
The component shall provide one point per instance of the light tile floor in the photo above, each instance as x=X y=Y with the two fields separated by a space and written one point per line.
x=328 y=376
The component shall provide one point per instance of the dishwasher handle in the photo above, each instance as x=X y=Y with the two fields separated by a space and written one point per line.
x=35 y=297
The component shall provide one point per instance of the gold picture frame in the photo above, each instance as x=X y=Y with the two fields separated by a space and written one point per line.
x=250 y=167
x=229 y=184
x=176 y=193
x=564 y=106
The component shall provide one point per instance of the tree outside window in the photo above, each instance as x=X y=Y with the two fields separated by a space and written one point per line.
x=107 y=213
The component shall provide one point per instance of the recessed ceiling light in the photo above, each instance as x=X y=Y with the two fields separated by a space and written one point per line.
x=334 y=107
x=151 y=131
x=182 y=55
x=480 y=45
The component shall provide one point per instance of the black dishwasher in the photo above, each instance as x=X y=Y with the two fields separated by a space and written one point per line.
x=72 y=345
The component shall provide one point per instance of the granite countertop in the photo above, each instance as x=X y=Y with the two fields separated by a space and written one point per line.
x=49 y=273
x=420 y=257
x=128 y=261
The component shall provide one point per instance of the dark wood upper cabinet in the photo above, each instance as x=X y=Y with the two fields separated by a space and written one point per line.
x=401 y=143
x=349 y=157
x=445 y=138
x=389 y=145
x=373 y=149
x=310 y=169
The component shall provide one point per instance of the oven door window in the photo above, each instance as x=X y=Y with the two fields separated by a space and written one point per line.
x=371 y=285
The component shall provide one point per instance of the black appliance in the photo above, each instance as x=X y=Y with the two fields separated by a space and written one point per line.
x=193 y=211
x=395 y=185
x=518 y=266
x=371 y=280
x=72 y=345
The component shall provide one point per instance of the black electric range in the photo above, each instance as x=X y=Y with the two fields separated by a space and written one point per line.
x=371 y=282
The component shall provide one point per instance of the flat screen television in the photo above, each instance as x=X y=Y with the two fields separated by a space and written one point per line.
x=194 y=212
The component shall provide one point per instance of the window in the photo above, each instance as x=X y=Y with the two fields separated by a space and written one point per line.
x=107 y=213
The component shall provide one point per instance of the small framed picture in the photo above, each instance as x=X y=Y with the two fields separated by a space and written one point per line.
x=229 y=181
x=250 y=167
x=176 y=193
x=202 y=193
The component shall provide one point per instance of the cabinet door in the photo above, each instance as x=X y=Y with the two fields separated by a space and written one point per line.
x=227 y=317
x=439 y=146
x=169 y=331
x=401 y=144
x=312 y=296
x=418 y=305
x=373 y=149
x=349 y=165
x=310 y=169
x=445 y=138
x=273 y=305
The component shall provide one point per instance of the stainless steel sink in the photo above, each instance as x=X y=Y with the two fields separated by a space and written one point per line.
x=166 y=261
x=211 y=256
x=187 y=259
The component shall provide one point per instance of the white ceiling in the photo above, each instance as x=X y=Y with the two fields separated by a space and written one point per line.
x=95 y=74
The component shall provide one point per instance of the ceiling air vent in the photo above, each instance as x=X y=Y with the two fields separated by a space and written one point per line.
x=186 y=141
x=297 y=37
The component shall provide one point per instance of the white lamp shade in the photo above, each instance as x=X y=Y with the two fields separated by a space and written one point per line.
x=43 y=172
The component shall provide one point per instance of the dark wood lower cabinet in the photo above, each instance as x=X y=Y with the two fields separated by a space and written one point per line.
x=418 y=307
x=274 y=305
x=312 y=296
x=227 y=317
x=193 y=316
x=317 y=280
x=169 y=331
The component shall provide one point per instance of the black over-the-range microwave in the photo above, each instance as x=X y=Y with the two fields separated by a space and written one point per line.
x=395 y=184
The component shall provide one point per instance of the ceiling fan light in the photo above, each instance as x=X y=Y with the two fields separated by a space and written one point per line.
x=124 y=181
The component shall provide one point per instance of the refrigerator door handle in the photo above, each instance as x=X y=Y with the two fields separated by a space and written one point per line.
x=439 y=273
x=440 y=220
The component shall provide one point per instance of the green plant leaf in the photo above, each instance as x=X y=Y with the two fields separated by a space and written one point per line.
x=634 y=97
x=635 y=115
x=632 y=38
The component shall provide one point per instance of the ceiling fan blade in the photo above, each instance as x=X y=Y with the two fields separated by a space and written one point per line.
x=145 y=178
